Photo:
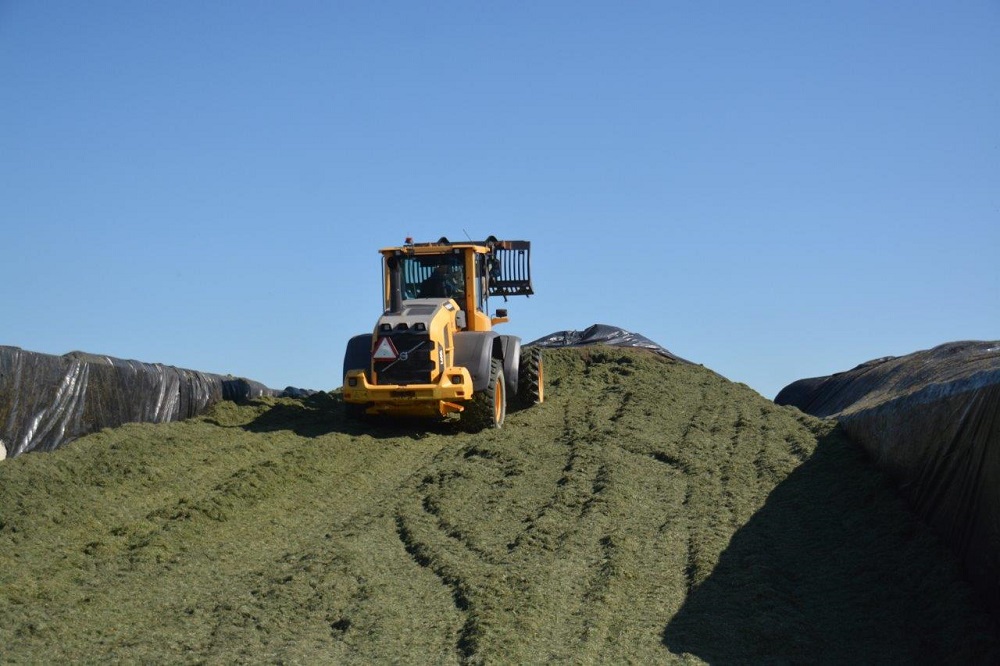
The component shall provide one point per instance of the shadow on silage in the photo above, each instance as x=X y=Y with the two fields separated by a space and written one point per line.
x=323 y=414
x=834 y=568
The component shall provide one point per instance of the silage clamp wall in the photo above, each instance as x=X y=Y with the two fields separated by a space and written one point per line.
x=47 y=401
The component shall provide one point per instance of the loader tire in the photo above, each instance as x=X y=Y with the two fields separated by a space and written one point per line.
x=531 y=378
x=488 y=408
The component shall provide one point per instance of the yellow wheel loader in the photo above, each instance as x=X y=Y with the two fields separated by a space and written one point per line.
x=433 y=351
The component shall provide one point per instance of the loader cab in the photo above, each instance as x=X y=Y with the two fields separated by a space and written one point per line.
x=468 y=273
x=458 y=274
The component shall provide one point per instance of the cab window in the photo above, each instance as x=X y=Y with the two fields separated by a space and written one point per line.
x=437 y=276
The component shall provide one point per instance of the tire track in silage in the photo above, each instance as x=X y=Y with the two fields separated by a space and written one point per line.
x=553 y=520
x=331 y=575
x=723 y=483
x=562 y=560
x=417 y=537
x=618 y=532
x=436 y=545
x=484 y=584
x=565 y=579
x=643 y=430
x=579 y=512
x=693 y=430
x=633 y=521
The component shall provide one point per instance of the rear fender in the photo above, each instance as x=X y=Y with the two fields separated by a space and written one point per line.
x=511 y=350
x=359 y=354
x=474 y=350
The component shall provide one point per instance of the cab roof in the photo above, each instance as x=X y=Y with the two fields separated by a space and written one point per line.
x=444 y=246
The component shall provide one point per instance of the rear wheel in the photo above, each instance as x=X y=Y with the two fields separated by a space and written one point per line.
x=488 y=408
x=531 y=378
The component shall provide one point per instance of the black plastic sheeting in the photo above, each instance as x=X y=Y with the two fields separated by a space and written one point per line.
x=603 y=334
x=931 y=419
x=47 y=401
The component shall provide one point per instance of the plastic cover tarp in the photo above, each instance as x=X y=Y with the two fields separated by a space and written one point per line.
x=602 y=334
x=47 y=401
x=931 y=419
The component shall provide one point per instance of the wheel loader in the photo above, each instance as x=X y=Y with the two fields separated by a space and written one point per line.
x=433 y=352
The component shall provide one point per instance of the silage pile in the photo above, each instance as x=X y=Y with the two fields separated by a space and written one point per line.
x=649 y=510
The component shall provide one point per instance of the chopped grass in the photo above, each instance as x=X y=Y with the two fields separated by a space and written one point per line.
x=647 y=511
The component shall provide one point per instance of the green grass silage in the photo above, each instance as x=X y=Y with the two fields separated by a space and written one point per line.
x=648 y=511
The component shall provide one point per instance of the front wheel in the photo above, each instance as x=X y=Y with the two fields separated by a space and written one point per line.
x=488 y=408
x=531 y=378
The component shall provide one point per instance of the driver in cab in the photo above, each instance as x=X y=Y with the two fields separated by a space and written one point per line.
x=444 y=282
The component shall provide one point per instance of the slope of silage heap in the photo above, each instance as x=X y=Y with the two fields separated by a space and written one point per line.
x=648 y=511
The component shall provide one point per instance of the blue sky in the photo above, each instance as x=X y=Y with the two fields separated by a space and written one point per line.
x=776 y=190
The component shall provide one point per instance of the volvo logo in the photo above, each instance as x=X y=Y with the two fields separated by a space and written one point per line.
x=404 y=355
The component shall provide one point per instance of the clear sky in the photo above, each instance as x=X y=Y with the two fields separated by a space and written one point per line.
x=776 y=190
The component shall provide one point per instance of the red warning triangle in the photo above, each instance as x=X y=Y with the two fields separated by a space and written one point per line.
x=385 y=351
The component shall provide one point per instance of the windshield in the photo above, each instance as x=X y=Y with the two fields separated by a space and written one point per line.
x=435 y=276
